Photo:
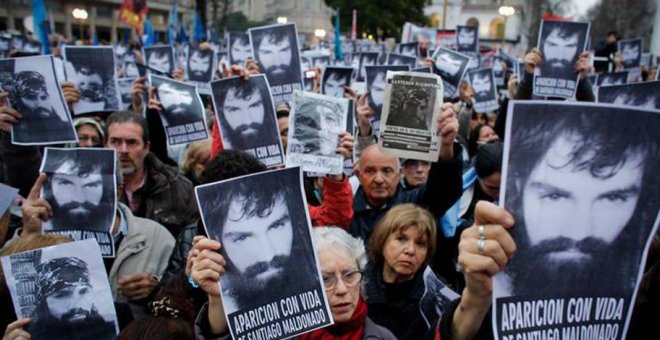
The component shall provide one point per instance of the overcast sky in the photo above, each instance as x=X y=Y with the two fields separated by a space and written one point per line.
x=582 y=6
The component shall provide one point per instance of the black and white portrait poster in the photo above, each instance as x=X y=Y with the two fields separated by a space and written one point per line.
x=276 y=51
x=247 y=118
x=561 y=43
x=631 y=50
x=411 y=107
x=223 y=60
x=467 y=39
x=435 y=299
x=81 y=187
x=581 y=182
x=315 y=123
x=496 y=62
x=35 y=93
x=644 y=95
x=334 y=79
x=485 y=95
x=400 y=59
x=321 y=61
x=239 y=48
x=615 y=78
x=131 y=70
x=7 y=196
x=200 y=67
x=451 y=67
x=376 y=77
x=125 y=86
x=64 y=290
x=272 y=270
x=409 y=49
x=183 y=111
x=366 y=59
x=160 y=58
x=92 y=69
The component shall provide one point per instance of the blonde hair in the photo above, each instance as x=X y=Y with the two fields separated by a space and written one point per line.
x=397 y=219
x=198 y=152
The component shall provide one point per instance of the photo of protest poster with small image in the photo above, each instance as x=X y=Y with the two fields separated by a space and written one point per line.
x=451 y=67
x=467 y=39
x=631 y=51
x=436 y=297
x=64 y=290
x=581 y=180
x=125 y=86
x=561 y=43
x=81 y=188
x=239 y=48
x=615 y=78
x=365 y=59
x=485 y=93
x=409 y=49
x=376 y=83
x=34 y=92
x=199 y=68
x=276 y=51
x=183 y=111
x=247 y=119
x=273 y=271
x=411 y=107
x=160 y=58
x=314 y=124
x=644 y=95
x=400 y=59
x=92 y=69
x=334 y=79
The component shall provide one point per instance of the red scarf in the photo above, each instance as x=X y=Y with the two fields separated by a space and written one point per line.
x=352 y=329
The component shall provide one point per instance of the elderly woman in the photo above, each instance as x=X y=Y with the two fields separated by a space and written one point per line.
x=342 y=259
x=400 y=247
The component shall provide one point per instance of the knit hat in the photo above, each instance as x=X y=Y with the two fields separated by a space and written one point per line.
x=90 y=121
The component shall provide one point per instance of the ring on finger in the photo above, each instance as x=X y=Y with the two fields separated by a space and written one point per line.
x=480 y=246
x=482 y=232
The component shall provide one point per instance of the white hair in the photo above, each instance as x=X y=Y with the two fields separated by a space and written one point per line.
x=331 y=236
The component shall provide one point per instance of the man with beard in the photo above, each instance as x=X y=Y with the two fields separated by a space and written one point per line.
x=81 y=196
x=65 y=303
x=274 y=50
x=631 y=54
x=482 y=87
x=160 y=58
x=246 y=115
x=240 y=49
x=94 y=94
x=560 y=52
x=466 y=38
x=262 y=232
x=448 y=67
x=200 y=65
x=316 y=128
x=30 y=97
x=584 y=208
x=178 y=104
x=334 y=80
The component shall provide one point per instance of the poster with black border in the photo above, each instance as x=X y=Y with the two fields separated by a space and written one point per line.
x=451 y=67
x=410 y=49
x=247 y=118
x=315 y=122
x=561 y=43
x=239 y=48
x=64 y=290
x=272 y=288
x=645 y=95
x=580 y=180
x=125 y=86
x=412 y=105
x=467 y=39
x=35 y=92
x=334 y=79
x=376 y=77
x=615 y=78
x=365 y=59
x=436 y=298
x=400 y=59
x=631 y=51
x=81 y=188
x=92 y=69
x=183 y=114
x=276 y=51
x=200 y=67
x=160 y=58
x=485 y=93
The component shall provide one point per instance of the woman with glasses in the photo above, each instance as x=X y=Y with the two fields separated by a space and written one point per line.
x=399 y=249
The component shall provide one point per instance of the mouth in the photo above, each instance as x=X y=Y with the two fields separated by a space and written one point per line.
x=268 y=274
x=341 y=308
x=569 y=255
x=406 y=263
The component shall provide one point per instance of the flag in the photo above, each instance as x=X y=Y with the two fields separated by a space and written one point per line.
x=182 y=37
x=339 y=54
x=199 y=32
x=173 y=22
x=95 y=37
x=40 y=24
x=149 y=38
x=354 y=26
x=132 y=12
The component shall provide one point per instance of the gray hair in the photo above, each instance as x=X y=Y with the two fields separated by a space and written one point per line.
x=331 y=236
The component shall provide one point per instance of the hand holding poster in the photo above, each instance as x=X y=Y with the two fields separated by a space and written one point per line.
x=247 y=119
x=183 y=114
x=92 y=69
x=64 y=290
x=485 y=95
x=272 y=270
x=586 y=210
x=316 y=122
x=81 y=188
x=561 y=43
x=413 y=103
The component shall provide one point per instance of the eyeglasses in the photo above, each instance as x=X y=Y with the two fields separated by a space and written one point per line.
x=350 y=279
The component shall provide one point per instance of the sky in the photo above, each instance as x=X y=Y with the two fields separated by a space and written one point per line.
x=582 y=6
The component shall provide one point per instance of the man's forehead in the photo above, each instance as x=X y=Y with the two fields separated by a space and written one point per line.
x=125 y=130
x=232 y=96
x=375 y=157
x=557 y=36
x=239 y=215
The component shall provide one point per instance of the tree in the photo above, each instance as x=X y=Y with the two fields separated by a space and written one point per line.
x=630 y=18
x=382 y=19
x=537 y=8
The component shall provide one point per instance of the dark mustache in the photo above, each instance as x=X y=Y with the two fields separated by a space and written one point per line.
x=75 y=205
x=241 y=129
x=589 y=245
x=177 y=107
x=273 y=68
x=260 y=267
x=75 y=312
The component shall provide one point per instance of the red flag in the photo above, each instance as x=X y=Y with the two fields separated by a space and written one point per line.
x=133 y=12
x=354 y=26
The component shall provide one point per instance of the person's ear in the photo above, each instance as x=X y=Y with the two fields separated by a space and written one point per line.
x=147 y=146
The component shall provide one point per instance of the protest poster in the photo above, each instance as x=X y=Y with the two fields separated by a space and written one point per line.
x=315 y=123
x=485 y=95
x=277 y=53
x=498 y=69
x=410 y=49
x=125 y=86
x=423 y=35
x=451 y=67
x=412 y=104
x=34 y=92
x=199 y=68
x=272 y=288
x=467 y=39
x=400 y=59
x=435 y=299
x=239 y=49
x=160 y=58
x=631 y=50
x=92 y=69
x=81 y=188
x=561 y=43
x=586 y=209
x=366 y=59
x=644 y=95
x=615 y=78
x=247 y=119
x=64 y=290
x=376 y=83
x=183 y=113
x=334 y=79
x=7 y=196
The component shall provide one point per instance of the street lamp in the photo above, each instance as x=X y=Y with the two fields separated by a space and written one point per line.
x=81 y=16
x=319 y=33
x=282 y=20
x=506 y=12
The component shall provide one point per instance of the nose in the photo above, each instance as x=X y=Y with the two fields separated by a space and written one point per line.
x=409 y=248
x=266 y=251
x=340 y=287
x=582 y=216
x=379 y=178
